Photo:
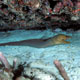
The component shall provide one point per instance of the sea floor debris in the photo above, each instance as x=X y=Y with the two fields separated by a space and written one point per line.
x=24 y=71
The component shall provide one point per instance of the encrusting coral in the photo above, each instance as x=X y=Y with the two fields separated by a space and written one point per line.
x=35 y=14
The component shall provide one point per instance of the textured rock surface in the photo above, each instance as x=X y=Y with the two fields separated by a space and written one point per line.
x=38 y=14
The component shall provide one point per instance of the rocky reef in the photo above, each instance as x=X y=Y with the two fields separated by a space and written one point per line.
x=39 y=14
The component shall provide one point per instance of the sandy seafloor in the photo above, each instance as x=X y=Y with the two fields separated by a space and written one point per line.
x=68 y=54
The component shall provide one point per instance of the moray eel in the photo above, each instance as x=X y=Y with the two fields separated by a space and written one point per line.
x=40 y=43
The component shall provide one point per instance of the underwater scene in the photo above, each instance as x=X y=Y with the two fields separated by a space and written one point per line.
x=33 y=54
x=39 y=39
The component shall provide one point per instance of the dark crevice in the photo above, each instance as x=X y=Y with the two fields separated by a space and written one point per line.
x=18 y=72
x=53 y=3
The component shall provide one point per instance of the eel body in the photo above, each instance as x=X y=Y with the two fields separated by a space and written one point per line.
x=40 y=43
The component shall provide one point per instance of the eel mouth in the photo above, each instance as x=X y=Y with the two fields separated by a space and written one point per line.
x=68 y=37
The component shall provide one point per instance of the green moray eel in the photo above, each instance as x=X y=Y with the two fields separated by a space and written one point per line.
x=41 y=43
